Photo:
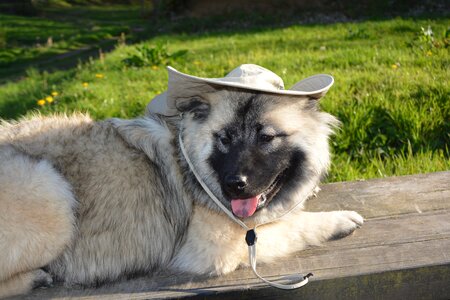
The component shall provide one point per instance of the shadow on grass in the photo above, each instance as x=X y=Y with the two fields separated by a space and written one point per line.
x=11 y=108
x=56 y=62
x=75 y=34
x=386 y=133
x=139 y=29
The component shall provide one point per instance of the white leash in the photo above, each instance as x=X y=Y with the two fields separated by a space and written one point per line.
x=251 y=236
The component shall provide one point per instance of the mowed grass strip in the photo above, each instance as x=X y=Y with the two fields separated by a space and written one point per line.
x=391 y=89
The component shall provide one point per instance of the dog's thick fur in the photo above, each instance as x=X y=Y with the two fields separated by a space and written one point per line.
x=92 y=202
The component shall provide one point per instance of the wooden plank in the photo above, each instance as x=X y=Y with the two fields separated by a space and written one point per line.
x=387 y=196
x=401 y=251
x=420 y=283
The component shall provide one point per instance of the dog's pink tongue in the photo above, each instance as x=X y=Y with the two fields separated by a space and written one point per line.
x=244 y=208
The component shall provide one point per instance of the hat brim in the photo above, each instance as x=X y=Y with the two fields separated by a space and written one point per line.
x=314 y=86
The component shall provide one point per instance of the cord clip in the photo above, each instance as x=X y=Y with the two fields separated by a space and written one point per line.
x=251 y=237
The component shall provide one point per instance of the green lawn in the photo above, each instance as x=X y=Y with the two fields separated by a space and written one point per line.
x=25 y=41
x=391 y=92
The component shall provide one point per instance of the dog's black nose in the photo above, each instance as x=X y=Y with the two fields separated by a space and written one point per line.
x=235 y=183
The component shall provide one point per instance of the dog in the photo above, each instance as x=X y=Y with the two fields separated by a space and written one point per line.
x=87 y=202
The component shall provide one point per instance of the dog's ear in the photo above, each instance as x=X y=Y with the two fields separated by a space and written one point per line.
x=305 y=102
x=312 y=101
x=195 y=105
x=316 y=97
x=193 y=98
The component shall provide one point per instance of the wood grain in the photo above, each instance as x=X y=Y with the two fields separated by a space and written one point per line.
x=402 y=251
x=386 y=197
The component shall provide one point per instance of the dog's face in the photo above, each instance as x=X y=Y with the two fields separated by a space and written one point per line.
x=259 y=153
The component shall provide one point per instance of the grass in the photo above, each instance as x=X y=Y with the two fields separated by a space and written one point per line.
x=391 y=93
x=30 y=40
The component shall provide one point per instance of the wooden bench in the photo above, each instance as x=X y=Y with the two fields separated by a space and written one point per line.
x=401 y=252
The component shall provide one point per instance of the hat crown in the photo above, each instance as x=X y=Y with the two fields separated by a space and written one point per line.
x=254 y=76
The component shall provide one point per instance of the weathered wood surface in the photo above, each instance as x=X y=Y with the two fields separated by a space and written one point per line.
x=402 y=251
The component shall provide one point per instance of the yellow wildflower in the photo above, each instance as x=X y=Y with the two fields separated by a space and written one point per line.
x=155 y=67
x=85 y=84
x=196 y=62
x=99 y=75
x=49 y=99
x=395 y=66
x=41 y=102
x=429 y=53
x=54 y=94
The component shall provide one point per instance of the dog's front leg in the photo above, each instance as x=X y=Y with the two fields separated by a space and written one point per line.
x=216 y=245
x=213 y=244
x=301 y=229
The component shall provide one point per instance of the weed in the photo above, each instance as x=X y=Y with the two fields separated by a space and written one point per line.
x=355 y=33
x=144 y=56
x=426 y=41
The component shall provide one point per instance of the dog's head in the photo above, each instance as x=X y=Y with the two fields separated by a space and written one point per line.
x=259 y=153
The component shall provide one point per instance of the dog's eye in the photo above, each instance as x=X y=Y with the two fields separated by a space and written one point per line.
x=265 y=138
x=225 y=140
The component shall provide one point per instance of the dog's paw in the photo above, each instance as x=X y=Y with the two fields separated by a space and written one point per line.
x=41 y=279
x=345 y=223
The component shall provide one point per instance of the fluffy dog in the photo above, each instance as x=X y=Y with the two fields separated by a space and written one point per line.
x=92 y=202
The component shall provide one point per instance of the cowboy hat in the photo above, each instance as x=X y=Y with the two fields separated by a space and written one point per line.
x=247 y=76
